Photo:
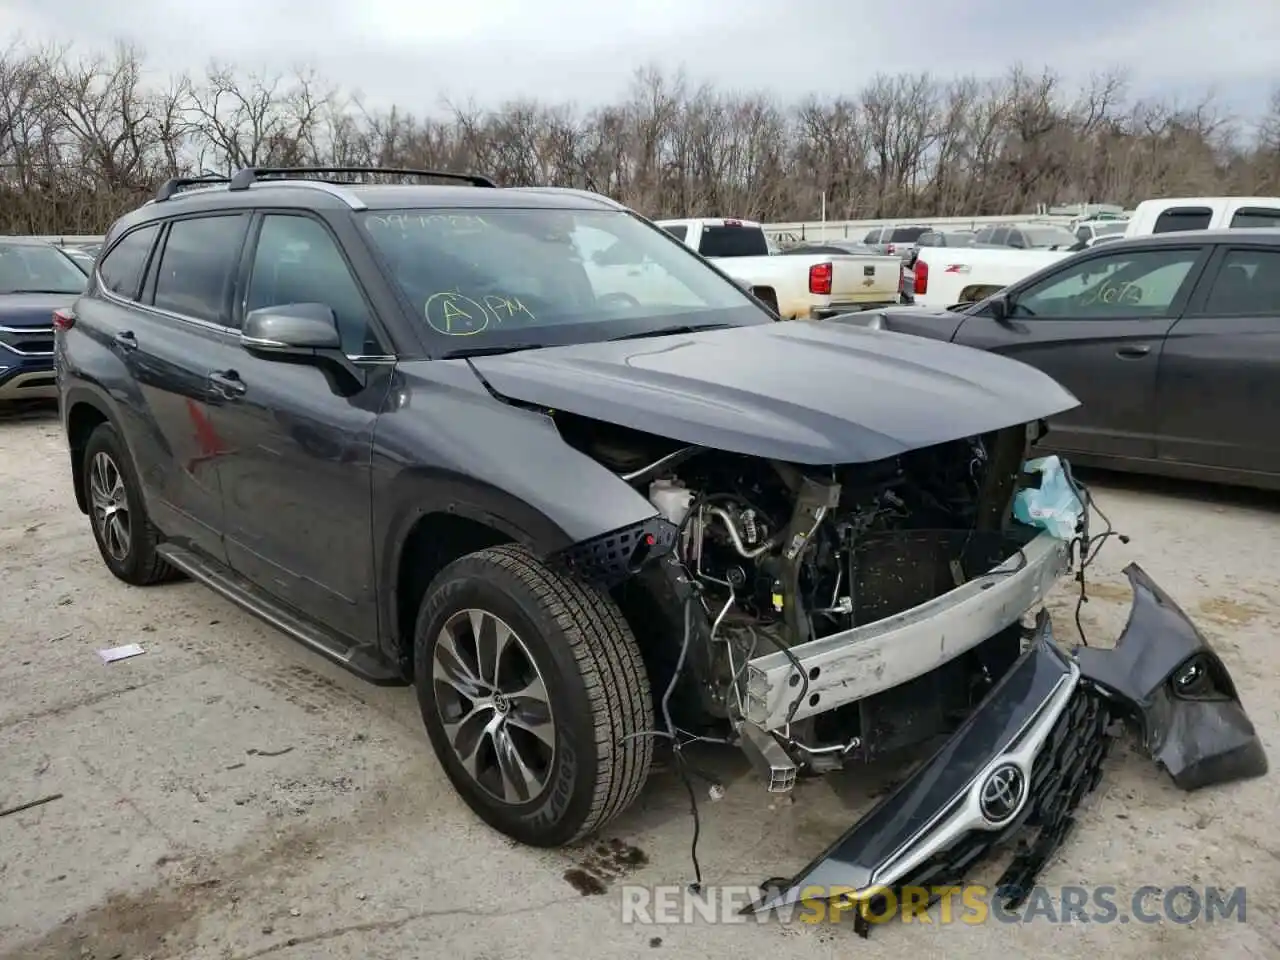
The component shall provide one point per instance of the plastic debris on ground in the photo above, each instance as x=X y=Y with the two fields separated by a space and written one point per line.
x=112 y=654
x=1052 y=506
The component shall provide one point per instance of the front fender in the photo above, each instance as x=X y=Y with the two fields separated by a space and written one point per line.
x=444 y=444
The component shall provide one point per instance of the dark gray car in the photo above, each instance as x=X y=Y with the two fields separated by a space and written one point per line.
x=525 y=450
x=1171 y=342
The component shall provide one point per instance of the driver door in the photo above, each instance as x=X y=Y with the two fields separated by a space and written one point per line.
x=1097 y=325
x=296 y=474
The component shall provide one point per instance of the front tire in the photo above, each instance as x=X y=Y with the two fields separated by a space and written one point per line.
x=534 y=696
x=124 y=533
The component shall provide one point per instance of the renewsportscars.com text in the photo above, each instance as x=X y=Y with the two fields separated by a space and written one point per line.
x=969 y=905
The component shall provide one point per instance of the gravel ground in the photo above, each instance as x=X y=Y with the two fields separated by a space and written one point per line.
x=229 y=795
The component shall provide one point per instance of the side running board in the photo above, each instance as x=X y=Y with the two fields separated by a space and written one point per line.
x=362 y=660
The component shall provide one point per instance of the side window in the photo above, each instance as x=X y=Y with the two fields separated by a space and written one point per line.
x=984 y=235
x=1247 y=217
x=1144 y=283
x=198 y=265
x=1000 y=235
x=1083 y=234
x=121 y=270
x=679 y=231
x=1183 y=218
x=1248 y=284
x=872 y=237
x=1016 y=239
x=298 y=261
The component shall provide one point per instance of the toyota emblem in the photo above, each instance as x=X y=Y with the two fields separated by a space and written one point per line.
x=1002 y=793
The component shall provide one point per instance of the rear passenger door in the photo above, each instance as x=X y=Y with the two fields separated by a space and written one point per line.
x=1219 y=384
x=296 y=482
x=167 y=334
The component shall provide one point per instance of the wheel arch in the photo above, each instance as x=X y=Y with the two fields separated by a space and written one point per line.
x=423 y=542
x=85 y=412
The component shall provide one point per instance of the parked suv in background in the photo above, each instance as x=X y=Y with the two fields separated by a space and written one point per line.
x=1029 y=236
x=35 y=279
x=891 y=239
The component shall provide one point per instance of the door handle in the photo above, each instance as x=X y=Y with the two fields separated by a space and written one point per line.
x=126 y=339
x=227 y=383
x=1133 y=351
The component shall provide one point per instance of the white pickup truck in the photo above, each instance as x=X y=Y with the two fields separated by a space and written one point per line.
x=946 y=276
x=797 y=286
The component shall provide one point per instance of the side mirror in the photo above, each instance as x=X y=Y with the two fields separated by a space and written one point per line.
x=291 y=328
x=1001 y=308
x=299 y=333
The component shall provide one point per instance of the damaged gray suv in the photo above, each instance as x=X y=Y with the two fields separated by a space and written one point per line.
x=524 y=450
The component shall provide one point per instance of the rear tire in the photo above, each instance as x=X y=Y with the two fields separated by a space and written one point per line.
x=124 y=533
x=566 y=697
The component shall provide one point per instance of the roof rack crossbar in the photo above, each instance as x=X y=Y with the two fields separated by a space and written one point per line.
x=248 y=175
x=176 y=184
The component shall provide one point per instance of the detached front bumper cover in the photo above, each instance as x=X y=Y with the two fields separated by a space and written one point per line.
x=1014 y=774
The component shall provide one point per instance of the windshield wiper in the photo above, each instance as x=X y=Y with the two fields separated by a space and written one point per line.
x=671 y=331
x=490 y=351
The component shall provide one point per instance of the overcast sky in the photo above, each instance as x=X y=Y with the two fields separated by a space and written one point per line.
x=415 y=53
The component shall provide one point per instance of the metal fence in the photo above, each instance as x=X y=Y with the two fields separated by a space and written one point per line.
x=817 y=230
x=69 y=241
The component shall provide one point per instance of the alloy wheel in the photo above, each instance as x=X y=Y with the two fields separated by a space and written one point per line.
x=494 y=706
x=110 y=504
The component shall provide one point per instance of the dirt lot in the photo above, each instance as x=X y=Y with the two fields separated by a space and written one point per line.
x=230 y=795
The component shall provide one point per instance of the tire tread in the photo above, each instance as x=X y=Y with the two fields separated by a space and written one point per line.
x=612 y=670
x=153 y=568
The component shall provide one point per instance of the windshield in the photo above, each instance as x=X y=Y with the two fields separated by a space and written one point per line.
x=1049 y=236
x=33 y=268
x=541 y=277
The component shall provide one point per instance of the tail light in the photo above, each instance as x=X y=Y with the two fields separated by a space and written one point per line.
x=64 y=318
x=820 y=279
x=922 y=278
x=889 y=248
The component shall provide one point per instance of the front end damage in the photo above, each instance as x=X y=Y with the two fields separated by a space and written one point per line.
x=1012 y=777
x=828 y=616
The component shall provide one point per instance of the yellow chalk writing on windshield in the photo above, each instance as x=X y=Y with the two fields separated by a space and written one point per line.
x=504 y=307
x=455 y=315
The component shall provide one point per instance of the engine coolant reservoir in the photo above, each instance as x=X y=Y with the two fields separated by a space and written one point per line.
x=671 y=499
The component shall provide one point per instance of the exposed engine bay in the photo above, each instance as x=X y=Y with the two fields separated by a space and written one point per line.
x=816 y=617
x=770 y=556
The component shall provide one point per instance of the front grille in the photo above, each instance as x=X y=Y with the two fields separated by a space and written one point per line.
x=27 y=342
x=1067 y=768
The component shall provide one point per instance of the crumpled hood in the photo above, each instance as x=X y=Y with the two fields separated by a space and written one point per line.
x=804 y=392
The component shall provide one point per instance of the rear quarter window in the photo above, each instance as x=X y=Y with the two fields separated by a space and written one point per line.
x=680 y=231
x=121 y=270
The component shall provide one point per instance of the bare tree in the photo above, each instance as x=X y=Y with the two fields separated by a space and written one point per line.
x=84 y=139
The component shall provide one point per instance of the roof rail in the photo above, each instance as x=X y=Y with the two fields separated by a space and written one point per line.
x=249 y=175
x=177 y=184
